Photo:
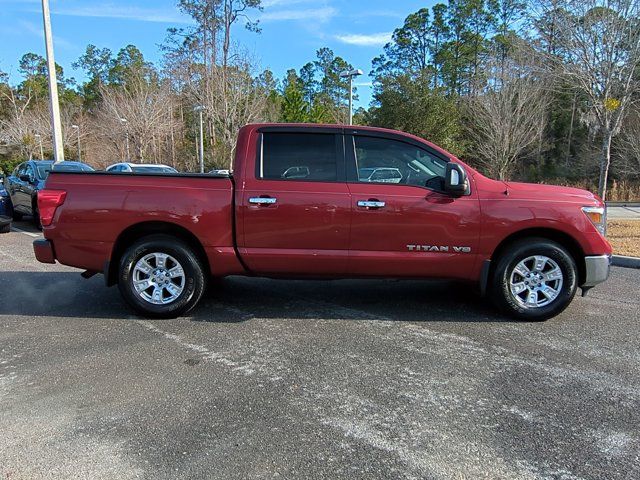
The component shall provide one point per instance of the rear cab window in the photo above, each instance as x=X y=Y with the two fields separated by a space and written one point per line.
x=307 y=157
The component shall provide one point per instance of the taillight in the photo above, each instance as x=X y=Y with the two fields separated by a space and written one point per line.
x=48 y=201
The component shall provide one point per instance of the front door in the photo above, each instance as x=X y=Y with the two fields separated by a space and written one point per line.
x=296 y=205
x=403 y=224
x=21 y=188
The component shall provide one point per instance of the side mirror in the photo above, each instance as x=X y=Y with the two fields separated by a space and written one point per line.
x=456 y=182
x=25 y=178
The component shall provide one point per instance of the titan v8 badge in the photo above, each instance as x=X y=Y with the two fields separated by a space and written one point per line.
x=435 y=248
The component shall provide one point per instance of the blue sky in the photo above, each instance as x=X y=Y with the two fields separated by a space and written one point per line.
x=292 y=30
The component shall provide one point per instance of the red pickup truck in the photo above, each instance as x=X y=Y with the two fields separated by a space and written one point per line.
x=326 y=201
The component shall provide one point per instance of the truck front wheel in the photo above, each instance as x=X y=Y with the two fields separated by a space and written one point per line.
x=161 y=277
x=534 y=279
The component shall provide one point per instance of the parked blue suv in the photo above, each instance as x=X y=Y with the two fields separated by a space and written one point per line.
x=29 y=177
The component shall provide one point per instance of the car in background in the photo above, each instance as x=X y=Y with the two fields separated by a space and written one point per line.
x=28 y=178
x=220 y=171
x=6 y=212
x=127 y=167
x=380 y=175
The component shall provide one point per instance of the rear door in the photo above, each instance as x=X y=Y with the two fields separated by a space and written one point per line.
x=403 y=224
x=295 y=207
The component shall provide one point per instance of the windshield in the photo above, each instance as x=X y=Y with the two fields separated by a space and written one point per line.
x=153 y=169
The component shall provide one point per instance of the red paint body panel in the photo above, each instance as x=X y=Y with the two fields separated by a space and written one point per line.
x=99 y=207
x=306 y=233
x=412 y=216
x=315 y=229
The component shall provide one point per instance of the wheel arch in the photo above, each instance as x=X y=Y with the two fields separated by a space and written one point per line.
x=144 y=229
x=558 y=236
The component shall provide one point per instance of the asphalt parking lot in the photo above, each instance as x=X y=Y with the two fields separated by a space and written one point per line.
x=297 y=379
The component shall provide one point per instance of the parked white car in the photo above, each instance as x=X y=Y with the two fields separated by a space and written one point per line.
x=126 y=167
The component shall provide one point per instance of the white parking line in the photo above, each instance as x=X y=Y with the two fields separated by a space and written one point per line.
x=15 y=229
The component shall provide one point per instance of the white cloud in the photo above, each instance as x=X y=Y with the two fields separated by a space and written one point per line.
x=312 y=15
x=371 y=40
x=125 y=12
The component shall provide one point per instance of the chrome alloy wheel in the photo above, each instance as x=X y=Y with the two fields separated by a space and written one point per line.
x=536 y=281
x=158 y=278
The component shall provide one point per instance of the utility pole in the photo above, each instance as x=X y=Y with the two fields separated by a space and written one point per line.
x=77 y=129
x=39 y=137
x=58 y=146
x=199 y=109
x=350 y=74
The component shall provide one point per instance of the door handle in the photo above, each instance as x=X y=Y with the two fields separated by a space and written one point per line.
x=371 y=203
x=262 y=200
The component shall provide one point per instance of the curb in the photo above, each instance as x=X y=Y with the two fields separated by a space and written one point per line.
x=623 y=204
x=626 y=262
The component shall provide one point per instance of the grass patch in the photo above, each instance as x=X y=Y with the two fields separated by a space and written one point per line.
x=624 y=236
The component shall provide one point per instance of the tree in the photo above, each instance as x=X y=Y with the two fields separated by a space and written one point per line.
x=294 y=107
x=506 y=112
x=405 y=103
x=599 y=52
x=204 y=64
x=33 y=68
x=628 y=146
x=96 y=63
x=143 y=112
x=333 y=90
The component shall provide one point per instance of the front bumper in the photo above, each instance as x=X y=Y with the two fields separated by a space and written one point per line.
x=43 y=249
x=596 y=270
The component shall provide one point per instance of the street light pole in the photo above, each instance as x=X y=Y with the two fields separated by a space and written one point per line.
x=199 y=109
x=39 y=137
x=350 y=74
x=58 y=146
x=350 y=100
x=77 y=129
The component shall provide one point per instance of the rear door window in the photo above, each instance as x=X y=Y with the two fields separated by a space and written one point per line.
x=311 y=157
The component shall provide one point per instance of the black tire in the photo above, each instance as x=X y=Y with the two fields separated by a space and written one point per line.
x=17 y=216
x=194 y=276
x=500 y=286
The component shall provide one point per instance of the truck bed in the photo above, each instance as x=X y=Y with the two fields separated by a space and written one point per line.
x=100 y=208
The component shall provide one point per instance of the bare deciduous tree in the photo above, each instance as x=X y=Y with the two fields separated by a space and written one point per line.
x=598 y=51
x=143 y=112
x=232 y=101
x=17 y=128
x=628 y=147
x=506 y=112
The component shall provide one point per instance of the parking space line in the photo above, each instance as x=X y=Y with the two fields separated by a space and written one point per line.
x=16 y=229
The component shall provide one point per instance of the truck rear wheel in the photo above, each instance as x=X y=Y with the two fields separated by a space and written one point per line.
x=534 y=279
x=161 y=277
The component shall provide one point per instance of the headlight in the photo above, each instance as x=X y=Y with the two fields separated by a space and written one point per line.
x=598 y=216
